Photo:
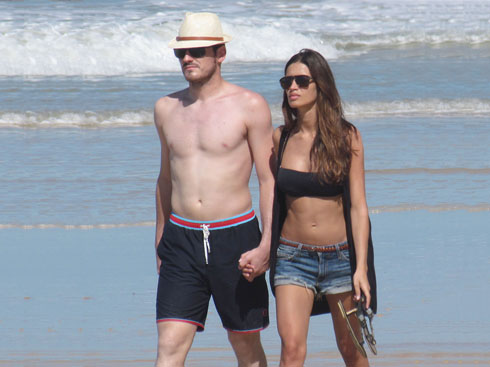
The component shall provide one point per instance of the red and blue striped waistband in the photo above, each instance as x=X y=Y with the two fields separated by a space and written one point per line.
x=213 y=224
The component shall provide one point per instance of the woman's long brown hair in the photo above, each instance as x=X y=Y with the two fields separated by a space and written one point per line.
x=331 y=152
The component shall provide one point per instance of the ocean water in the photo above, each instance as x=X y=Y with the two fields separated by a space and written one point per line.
x=79 y=157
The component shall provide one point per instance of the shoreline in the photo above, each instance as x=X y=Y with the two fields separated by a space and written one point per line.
x=204 y=357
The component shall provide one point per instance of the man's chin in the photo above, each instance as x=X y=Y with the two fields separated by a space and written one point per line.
x=191 y=74
x=191 y=78
x=194 y=78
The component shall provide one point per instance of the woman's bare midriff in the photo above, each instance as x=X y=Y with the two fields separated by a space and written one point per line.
x=314 y=221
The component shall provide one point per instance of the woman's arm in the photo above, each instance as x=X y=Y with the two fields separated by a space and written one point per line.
x=359 y=217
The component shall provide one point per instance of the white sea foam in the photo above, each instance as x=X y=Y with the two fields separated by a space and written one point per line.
x=126 y=38
x=416 y=107
x=87 y=119
x=102 y=119
x=419 y=107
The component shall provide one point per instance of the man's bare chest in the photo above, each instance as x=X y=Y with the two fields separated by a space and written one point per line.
x=214 y=136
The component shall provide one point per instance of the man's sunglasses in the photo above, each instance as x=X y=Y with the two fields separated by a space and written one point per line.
x=302 y=81
x=196 y=52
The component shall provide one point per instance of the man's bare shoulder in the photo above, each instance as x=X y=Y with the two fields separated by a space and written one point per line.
x=250 y=104
x=248 y=98
x=165 y=105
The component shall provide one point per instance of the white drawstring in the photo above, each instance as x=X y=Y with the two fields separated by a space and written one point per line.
x=205 y=233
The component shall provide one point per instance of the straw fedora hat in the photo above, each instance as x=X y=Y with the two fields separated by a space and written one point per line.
x=199 y=30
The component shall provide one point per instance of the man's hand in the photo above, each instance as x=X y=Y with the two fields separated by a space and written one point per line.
x=254 y=263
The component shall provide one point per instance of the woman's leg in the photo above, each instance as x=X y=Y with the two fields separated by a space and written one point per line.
x=293 y=309
x=352 y=357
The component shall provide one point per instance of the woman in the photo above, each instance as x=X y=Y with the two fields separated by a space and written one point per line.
x=321 y=249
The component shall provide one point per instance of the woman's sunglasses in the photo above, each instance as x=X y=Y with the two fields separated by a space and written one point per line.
x=196 y=52
x=302 y=81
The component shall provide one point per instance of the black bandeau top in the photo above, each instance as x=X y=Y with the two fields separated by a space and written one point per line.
x=297 y=183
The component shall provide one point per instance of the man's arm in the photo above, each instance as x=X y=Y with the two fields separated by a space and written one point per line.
x=256 y=262
x=163 y=190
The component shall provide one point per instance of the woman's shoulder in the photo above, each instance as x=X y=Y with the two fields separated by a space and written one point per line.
x=354 y=136
x=351 y=130
x=349 y=126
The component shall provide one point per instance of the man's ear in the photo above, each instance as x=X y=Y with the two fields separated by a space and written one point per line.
x=221 y=52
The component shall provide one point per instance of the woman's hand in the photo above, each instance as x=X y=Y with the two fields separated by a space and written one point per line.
x=361 y=284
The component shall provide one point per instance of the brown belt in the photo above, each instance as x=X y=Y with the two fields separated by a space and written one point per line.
x=328 y=248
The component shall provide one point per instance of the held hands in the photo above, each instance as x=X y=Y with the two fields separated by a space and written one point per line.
x=254 y=263
x=361 y=284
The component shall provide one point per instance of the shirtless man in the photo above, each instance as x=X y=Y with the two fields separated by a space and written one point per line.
x=207 y=236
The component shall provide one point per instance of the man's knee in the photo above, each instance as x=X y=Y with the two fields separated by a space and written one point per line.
x=169 y=344
x=248 y=349
x=244 y=339
x=174 y=342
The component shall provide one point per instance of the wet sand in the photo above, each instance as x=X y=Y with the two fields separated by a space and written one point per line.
x=86 y=297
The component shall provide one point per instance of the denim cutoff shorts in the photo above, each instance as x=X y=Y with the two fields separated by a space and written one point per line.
x=322 y=272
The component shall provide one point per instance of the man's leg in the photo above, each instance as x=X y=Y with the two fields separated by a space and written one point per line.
x=174 y=342
x=248 y=349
